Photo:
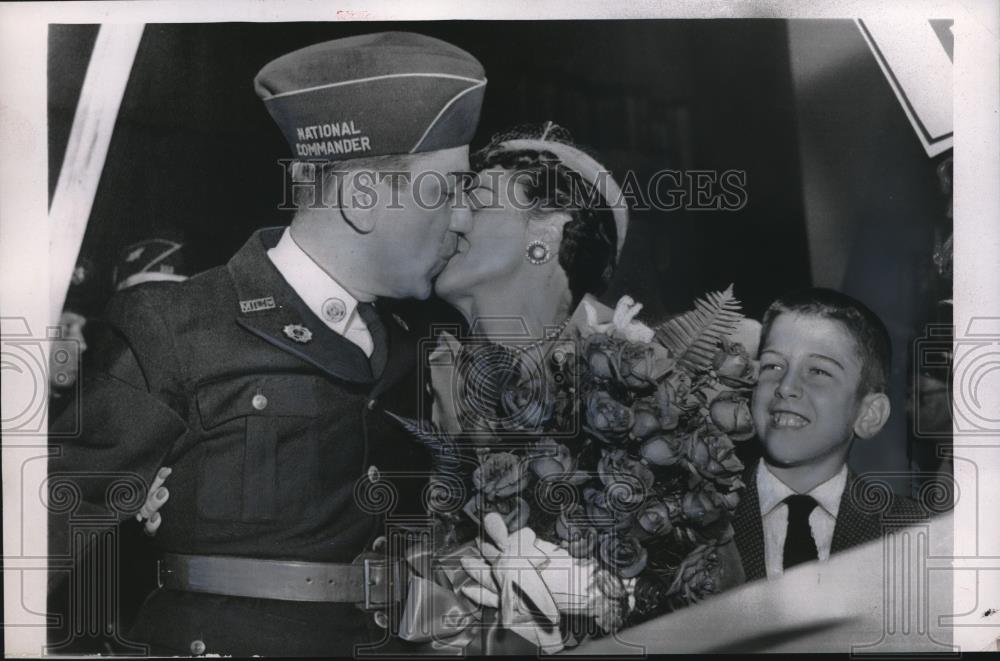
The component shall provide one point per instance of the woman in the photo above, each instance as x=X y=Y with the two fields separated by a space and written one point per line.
x=549 y=222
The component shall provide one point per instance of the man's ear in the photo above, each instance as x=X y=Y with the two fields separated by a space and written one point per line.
x=360 y=200
x=872 y=415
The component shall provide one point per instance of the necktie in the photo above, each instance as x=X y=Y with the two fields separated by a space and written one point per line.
x=380 y=338
x=799 y=543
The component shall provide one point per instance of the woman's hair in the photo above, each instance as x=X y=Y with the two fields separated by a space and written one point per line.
x=588 y=252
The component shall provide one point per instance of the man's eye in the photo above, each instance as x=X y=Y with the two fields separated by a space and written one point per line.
x=769 y=366
x=819 y=372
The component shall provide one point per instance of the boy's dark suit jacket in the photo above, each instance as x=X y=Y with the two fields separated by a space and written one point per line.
x=858 y=521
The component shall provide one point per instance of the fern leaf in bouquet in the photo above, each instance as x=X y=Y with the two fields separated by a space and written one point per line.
x=694 y=336
x=441 y=445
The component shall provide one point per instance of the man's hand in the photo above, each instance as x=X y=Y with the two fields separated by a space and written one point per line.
x=156 y=497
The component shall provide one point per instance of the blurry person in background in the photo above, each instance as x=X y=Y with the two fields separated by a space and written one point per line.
x=83 y=300
x=151 y=260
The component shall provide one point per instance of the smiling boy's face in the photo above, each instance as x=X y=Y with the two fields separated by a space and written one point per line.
x=806 y=404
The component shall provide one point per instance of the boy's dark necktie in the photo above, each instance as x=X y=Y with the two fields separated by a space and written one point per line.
x=380 y=338
x=799 y=543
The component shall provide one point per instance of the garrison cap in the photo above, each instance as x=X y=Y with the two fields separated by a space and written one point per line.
x=374 y=95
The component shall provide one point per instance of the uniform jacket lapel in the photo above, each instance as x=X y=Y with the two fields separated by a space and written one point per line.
x=271 y=305
x=748 y=528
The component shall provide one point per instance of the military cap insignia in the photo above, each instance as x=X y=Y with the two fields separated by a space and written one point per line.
x=298 y=333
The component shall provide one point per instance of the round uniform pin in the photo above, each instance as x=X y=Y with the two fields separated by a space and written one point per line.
x=334 y=310
x=298 y=333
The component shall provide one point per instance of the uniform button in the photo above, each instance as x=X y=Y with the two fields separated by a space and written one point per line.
x=197 y=647
x=381 y=619
x=373 y=474
x=259 y=402
x=372 y=403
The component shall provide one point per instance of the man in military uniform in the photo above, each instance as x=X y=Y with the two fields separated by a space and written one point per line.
x=264 y=383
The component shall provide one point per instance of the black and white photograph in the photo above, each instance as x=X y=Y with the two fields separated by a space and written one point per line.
x=361 y=329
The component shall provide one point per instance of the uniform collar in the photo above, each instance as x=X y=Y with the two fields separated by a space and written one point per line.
x=267 y=306
x=270 y=309
x=771 y=491
x=317 y=289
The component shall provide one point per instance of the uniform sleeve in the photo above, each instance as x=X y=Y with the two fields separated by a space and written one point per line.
x=107 y=446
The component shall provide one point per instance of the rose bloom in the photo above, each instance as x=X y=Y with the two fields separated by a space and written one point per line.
x=642 y=365
x=713 y=456
x=655 y=518
x=601 y=355
x=604 y=515
x=733 y=365
x=526 y=404
x=628 y=479
x=624 y=554
x=730 y=412
x=500 y=475
x=607 y=416
x=705 y=506
x=549 y=458
x=574 y=529
x=663 y=449
x=699 y=576
x=645 y=419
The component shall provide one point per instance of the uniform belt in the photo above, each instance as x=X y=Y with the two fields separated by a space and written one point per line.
x=371 y=582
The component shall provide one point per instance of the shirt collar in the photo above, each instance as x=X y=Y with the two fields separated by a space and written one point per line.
x=771 y=491
x=313 y=285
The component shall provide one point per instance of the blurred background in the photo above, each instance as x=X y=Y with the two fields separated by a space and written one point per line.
x=839 y=190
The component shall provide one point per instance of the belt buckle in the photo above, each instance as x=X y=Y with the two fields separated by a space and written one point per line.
x=374 y=569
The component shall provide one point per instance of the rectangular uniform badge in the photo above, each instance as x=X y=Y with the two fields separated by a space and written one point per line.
x=257 y=304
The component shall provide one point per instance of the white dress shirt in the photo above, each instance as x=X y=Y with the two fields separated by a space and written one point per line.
x=774 y=515
x=320 y=292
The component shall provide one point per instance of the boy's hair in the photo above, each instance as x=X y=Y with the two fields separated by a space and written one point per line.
x=871 y=337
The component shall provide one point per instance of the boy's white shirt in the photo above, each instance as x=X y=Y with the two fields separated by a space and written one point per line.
x=774 y=515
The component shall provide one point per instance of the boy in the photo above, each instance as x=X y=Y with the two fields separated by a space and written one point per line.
x=824 y=366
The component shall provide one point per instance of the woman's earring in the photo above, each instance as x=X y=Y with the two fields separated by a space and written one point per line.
x=538 y=252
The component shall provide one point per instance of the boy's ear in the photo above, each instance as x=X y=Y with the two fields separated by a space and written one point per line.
x=872 y=415
x=359 y=200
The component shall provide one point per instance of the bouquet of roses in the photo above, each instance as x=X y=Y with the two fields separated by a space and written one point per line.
x=600 y=493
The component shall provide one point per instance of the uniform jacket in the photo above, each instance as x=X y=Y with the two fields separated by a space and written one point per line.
x=855 y=524
x=270 y=441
